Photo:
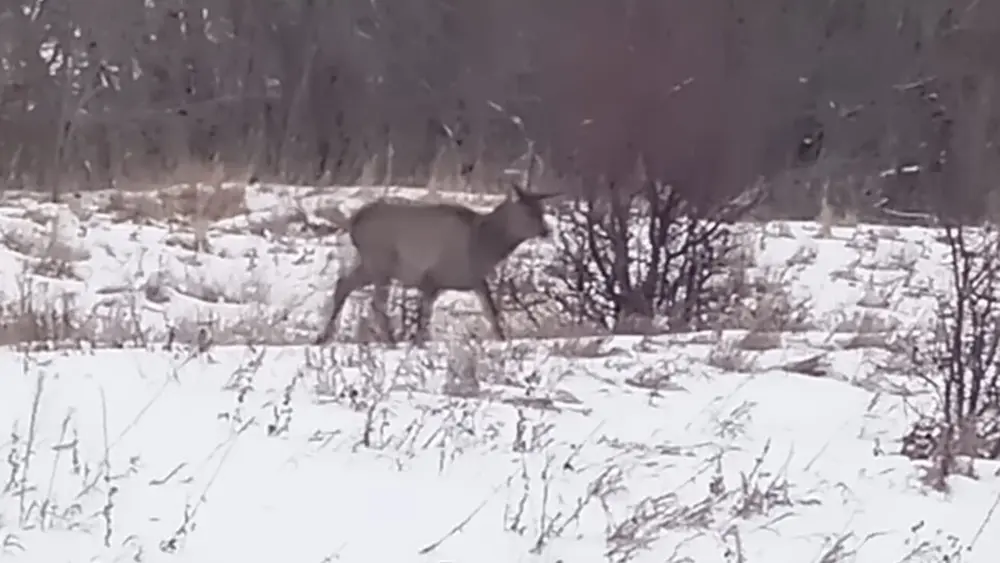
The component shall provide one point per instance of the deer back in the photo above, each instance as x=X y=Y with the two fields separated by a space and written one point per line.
x=411 y=241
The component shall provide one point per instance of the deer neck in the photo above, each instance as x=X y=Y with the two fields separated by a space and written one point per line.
x=496 y=240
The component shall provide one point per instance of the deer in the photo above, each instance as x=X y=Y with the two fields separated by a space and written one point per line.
x=434 y=247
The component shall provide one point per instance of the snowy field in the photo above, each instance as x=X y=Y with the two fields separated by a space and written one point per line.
x=696 y=448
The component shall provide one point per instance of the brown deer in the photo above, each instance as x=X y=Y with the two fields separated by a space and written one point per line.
x=433 y=248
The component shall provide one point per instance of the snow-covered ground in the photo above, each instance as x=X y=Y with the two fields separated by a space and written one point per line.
x=682 y=447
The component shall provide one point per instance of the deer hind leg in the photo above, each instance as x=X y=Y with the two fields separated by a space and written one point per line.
x=428 y=295
x=356 y=278
x=380 y=307
x=490 y=308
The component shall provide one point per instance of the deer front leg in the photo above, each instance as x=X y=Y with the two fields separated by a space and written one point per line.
x=490 y=308
x=380 y=307
x=346 y=285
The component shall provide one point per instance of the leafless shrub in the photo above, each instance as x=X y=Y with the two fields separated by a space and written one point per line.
x=643 y=253
x=523 y=294
x=961 y=361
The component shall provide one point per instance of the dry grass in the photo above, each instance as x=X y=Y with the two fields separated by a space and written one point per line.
x=22 y=321
x=116 y=322
x=187 y=172
x=826 y=217
x=46 y=316
x=211 y=202
x=757 y=341
x=450 y=173
x=768 y=306
x=728 y=355
x=446 y=173
x=193 y=191
x=185 y=203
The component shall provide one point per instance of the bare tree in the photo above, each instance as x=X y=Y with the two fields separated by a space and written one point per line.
x=961 y=359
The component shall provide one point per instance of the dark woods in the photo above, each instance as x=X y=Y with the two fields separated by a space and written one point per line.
x=709 y=94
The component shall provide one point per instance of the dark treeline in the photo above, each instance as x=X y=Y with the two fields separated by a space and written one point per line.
x=711 y=94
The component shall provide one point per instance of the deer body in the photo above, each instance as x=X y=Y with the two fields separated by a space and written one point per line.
x=433 y=248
